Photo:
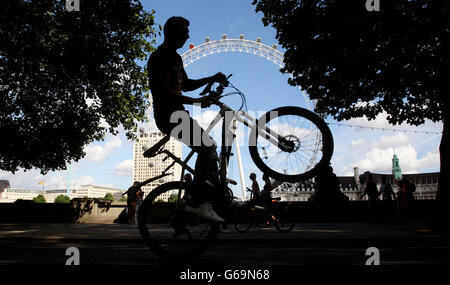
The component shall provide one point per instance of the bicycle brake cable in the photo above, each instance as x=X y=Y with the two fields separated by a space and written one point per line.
x=243 y=99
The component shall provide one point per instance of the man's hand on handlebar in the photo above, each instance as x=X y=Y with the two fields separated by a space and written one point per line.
x=219 y=78
x=204 y=101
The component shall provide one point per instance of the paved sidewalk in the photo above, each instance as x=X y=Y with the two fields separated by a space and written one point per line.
x=306 y=231
x=307 y=244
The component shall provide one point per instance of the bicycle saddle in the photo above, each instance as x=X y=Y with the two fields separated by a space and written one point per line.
x=154 y=149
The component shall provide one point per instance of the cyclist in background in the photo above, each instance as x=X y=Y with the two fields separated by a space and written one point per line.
x=266 y=195
x=255 y=187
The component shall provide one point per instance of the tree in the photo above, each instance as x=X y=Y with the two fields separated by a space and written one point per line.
x=358 y=63
x=62 y=199
x=109 y=197
x=39 y=199
x=173 y=198
x=69 y=78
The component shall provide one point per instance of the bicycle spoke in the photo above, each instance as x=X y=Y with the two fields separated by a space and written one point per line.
x=306 y=140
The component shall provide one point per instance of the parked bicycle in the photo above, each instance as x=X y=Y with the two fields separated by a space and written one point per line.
x=288 y=143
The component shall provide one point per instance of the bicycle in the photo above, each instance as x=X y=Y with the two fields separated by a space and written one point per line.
x=273 y=212
x=278 y=149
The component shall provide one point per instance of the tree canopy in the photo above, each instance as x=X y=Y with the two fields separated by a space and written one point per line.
x=358 y=63
x=39 y=199
x=68 y=78
x=62 y=199
x=109 y=197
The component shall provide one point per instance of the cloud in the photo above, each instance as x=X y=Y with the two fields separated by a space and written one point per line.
x=84 y=180
x=391 y=141
x=60 y=181
x=357 y=143
x=124 y=168
x=380 y=122
x=380 y=160
x=23 y=179
x=372 y=149
x=53 y=180
x=97 y=153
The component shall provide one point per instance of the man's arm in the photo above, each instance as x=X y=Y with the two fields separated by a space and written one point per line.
x=193 y=84
x=167 y=85
x=128 y=191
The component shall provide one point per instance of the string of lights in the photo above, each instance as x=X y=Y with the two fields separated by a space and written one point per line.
x=386 y=129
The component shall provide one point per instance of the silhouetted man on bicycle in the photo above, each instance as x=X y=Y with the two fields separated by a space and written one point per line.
x=167 y=80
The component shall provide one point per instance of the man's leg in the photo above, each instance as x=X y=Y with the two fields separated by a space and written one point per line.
x=206 y=167
x=131 y=212
x=188 y=131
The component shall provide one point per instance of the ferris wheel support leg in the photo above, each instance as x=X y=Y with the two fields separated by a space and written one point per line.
x=241 y=171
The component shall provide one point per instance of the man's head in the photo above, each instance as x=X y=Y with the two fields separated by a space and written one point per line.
x=176 y=32
x=136 y=183
x=188 y=177
x=252 y=176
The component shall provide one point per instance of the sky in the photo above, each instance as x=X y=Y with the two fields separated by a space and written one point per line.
x=109 y=163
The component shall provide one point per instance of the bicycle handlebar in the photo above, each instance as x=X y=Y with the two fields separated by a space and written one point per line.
x=218 y=90
x=207 y=88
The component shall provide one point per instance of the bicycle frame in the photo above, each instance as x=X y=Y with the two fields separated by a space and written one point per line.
x=229 y=115
x=222 y=198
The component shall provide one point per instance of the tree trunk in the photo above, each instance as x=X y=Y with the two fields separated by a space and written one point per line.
x=442 y=215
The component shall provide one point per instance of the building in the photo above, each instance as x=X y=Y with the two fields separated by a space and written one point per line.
x=10 y=195
x=4 y=184
x=302 y=191
x=353 y=186
x=396 y=170
x=426 y=183
x=145 y=168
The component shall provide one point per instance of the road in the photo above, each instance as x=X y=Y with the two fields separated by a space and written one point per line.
x=307 y=244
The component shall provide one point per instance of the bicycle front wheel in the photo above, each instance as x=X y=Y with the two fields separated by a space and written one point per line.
x=307 y=139
x=168 y=230
x=281 y=216
x=243 y=218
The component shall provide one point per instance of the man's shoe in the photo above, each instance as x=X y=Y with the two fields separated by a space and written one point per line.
x=205 y=211
x=237 y=203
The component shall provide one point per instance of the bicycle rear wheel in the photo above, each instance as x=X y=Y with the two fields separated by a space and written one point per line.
x=309 y=140
x=168 y=230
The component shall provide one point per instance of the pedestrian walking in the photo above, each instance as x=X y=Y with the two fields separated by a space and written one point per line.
x=372 y=194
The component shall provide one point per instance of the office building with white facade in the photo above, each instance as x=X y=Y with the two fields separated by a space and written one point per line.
x=145 y=168
x=10 y=195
